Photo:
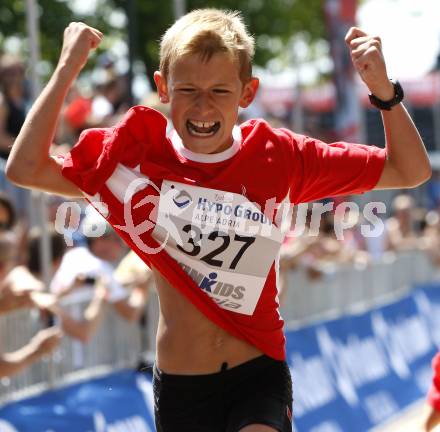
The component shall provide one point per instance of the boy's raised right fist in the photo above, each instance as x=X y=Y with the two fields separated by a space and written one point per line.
x=79 y=39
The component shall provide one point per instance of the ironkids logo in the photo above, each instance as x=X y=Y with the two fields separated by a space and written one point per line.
x=224 y=291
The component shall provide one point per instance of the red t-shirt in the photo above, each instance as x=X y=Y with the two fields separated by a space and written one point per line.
x=434 y=392
x=211 y=224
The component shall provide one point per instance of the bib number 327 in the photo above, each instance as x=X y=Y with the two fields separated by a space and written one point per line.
x=196 y=238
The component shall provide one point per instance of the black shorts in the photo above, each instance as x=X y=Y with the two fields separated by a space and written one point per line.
x=256 y=392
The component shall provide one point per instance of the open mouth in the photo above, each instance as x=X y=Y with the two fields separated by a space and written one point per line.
x=202 y=129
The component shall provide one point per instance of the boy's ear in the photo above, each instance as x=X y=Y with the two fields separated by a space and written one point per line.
x=249 y=92
x=162 y=88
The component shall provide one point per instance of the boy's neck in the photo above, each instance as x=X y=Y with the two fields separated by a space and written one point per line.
x=218 y=156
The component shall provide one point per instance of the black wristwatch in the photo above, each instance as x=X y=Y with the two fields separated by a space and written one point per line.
x=387 y=105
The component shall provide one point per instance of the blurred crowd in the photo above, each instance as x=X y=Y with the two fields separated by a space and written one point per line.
x=408 y=228
x=101 y=273
x=98 y=273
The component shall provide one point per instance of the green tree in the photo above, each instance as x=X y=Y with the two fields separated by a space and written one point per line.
x=267 y=20
x=274 y=20
x=54 y=16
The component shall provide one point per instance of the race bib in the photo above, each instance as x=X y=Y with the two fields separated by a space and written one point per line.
x=222 y=240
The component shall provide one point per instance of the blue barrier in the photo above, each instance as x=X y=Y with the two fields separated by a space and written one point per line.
x=355 y=372
x=349 y=375
x=120 y=402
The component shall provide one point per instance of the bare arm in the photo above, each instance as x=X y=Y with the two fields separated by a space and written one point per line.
x=16 y=290
x=10 y=301
x=84 y=329
x=29 y=164
x=44 y=342
x=131 y=308
x=407 y=163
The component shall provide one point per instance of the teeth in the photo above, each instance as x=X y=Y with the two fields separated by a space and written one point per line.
x=202 y=124
x=202 y=129
x=201 y=134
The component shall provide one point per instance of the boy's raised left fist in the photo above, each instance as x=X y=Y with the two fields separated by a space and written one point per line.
x=368 y=60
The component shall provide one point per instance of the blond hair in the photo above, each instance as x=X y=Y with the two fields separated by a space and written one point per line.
x=207 y=32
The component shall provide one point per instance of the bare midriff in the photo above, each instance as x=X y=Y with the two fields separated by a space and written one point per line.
x=188 y=343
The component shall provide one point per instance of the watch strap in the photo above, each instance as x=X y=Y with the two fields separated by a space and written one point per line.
x=387 y=105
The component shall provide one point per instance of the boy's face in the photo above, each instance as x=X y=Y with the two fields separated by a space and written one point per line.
x=205 y=97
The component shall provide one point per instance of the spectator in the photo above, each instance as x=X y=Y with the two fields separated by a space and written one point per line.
x=8 y=216
x=294 y=250
x=82 y=276
x=15 y=293
x=295 y=254
x=375 y=246
x=75 y=116
x=14 y=289
x=328 y=249
x=108 y=101
x=431 y=239
x=15 y=226
x=79 y=329
x=134 y=274
x=401 y=232
x=12 y=102
x=433 y=190
x=74 y=325
x=12 y=114
x=22 y=281
x=313 y=251
x=57 y=246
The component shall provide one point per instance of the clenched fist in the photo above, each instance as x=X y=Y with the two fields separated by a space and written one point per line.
x=368 y=60
x=79 y=39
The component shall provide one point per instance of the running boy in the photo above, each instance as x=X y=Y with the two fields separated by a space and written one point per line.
x=213 y=235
